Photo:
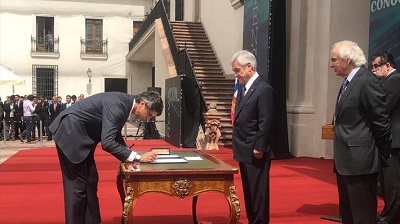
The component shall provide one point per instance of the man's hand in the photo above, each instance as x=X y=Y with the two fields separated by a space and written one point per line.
x=148 y=157
x=258 y=154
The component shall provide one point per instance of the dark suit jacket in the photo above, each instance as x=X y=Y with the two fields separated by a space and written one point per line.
x=391 y=84
x=42 y=110
x=98 y=118
x=7 y=110
x=64 y=106
x=19 y=110
x=253 y=121
x=54 y=114
x=362 y=129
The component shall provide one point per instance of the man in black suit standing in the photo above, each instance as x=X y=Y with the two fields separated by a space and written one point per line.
x=384 y=67
x=78 y=130
x=251 y=139
x=362 y=134
x=42 y=112
x=18 y=114
x=54 y=111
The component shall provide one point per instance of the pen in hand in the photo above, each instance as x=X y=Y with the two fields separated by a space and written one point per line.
x=131 y=146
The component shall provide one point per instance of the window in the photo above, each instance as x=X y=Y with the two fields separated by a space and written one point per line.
x=44 y=34
x=94 y=36
x=136 y=26
x=45 y=80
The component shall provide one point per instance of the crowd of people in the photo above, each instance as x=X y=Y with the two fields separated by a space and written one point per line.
x=27 y=117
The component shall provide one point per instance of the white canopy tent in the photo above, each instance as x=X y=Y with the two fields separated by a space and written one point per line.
x=7 y=77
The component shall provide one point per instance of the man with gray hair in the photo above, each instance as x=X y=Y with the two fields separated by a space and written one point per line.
x=252 y=132
x=362 y=134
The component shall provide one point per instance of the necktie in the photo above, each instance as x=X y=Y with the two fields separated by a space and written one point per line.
x=55 y=106
x=244 y=90
x=343 y=88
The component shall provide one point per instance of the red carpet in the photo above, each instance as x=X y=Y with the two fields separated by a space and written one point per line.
x=302 y=190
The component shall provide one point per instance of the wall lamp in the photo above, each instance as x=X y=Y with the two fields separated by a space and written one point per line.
x=89 y=74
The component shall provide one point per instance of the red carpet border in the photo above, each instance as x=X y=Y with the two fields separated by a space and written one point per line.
x=302 y=190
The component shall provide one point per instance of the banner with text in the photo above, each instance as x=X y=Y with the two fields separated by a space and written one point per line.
x=384 y=29
x=256 y=32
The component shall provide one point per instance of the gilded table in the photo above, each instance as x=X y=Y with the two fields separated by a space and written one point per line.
x=181 y=180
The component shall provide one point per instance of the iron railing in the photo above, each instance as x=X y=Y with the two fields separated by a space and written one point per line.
x=89 y=46
x=41 y=44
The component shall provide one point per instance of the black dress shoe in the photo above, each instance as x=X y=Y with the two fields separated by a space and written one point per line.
x=20 y=138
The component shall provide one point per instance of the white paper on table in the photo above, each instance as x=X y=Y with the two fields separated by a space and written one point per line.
x=193 y=158
x=167 y=156
x=169 y=160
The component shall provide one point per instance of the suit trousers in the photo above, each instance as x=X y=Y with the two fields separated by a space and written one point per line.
x=80 y=190
x=390 y=177
x=28 y=120
x=357 y=198
x=255 y=181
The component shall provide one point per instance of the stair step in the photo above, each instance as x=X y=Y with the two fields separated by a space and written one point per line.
x=218 y=88
x=197 y=47
x=183 y=29
x=186 y=33
x=188 y=23
x=218 y=94
x=199 y=58
x=218 y=83
x=193 y=39
x=212 y=72
x=205 y=62
x=218 y=98
x=190 y=41
x=203 y=66
x=209 y=73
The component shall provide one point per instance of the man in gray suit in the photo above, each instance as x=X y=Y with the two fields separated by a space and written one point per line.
x=362 y=134
x=77 y=131
x=384 y=67
x=251 y=138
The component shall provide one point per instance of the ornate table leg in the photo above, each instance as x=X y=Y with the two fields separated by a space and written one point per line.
x=234 y=205
x=194 y=206
x=120 y=188
x=129 y=201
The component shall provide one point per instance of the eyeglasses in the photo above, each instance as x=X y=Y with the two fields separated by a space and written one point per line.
x=375 y=66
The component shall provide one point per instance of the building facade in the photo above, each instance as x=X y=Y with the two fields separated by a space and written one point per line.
x=312 y=27
x=53 y=44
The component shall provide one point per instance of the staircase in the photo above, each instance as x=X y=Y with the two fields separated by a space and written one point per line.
x=216 y=88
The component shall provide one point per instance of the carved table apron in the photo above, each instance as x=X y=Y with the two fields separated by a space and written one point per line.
x=179 y=180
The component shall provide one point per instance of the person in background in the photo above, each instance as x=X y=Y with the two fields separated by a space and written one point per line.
x=2 y=128
x=78 y=130
x=54 y=111
x=73 y=98
x=49 y=42
x=251 y=138
x=384 y=67
x=67 y=104
x=34 y=118
x=59 y=100
x=2 y=104
x=362 y=135
x=18 y=114
x=81 y=97
x=28 y=114
x=9 y=119
x=42 y=115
